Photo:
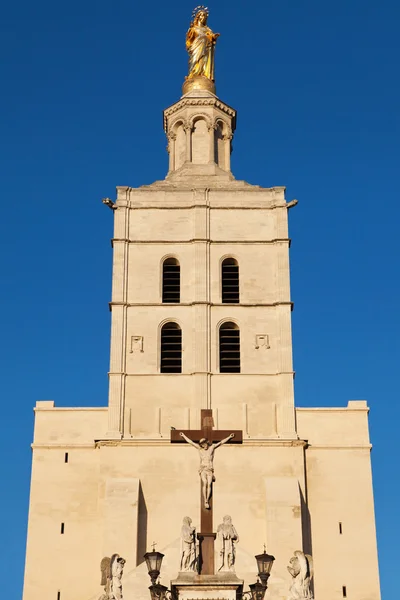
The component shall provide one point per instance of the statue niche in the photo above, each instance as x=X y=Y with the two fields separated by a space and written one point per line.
x=180 y=145
x=200 y=142
x=222 y=145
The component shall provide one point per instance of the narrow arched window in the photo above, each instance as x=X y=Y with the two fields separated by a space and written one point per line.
x=230 y=281
x=171 y=348
x=229 y=348
x=171 y=283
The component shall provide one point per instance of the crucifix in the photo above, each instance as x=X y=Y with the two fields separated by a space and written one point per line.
x=206 y=440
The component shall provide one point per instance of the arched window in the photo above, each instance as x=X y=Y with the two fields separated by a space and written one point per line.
x=171 y=348
x=229 y=348
x=171 y=283
x=230 y=281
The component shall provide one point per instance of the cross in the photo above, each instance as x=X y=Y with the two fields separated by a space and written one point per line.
x=206 y=535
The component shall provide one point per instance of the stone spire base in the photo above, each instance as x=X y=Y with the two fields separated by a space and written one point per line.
x=199 y=128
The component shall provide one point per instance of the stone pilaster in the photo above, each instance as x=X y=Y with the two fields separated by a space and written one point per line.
x=201 y=305
x=117 y=371
x=286 y=425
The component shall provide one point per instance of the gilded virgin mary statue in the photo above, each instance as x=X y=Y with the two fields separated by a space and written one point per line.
x=200 y=44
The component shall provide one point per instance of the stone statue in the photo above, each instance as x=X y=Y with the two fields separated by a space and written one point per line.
x=111 y=575
x=227 y=538
x=301 y=569
x=117 y=569
x=188 y=546
x=206 y=451
x=200 y=43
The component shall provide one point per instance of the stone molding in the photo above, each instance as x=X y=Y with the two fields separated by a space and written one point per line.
x=342 y=447
x=186 y=102
x=200 y=372
x=261 y=206
x=70 y=408
x=208 y=240
x=124 y=190
x=344 y=409
x=195 y=303
x=201 y=116
x=166 y=442
x=63 y=446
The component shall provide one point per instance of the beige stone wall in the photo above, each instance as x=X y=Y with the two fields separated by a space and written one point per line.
x=200 y=228
x=63 y=493
x=120 y=496
x=340 y=501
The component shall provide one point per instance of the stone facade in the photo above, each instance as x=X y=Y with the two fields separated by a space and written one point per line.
x=301 y=480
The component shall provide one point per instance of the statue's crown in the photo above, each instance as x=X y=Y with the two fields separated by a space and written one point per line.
x=198 y=9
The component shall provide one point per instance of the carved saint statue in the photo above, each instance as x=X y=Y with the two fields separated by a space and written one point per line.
x=206 y=452
x=188 y=546
x=111 y=575
x=227 y=538
x=301 y=570
x=200 y=43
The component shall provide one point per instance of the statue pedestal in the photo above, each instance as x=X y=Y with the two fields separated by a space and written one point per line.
x=223 y=586
x=199 y=82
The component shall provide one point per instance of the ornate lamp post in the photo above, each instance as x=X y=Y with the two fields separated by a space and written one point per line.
x=154 y=561
x=161 y=592
x=157 y=590
x=264 y=564
x=257 y=591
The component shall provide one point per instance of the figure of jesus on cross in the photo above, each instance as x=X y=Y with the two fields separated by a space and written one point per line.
x=206 y=471
x=206 y=440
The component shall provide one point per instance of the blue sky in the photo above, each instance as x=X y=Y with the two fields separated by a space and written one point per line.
x=317 y=91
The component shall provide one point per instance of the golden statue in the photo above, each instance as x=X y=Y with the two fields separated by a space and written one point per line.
x=200 y=44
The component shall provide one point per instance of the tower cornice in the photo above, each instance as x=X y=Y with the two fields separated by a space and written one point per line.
x=187 y=101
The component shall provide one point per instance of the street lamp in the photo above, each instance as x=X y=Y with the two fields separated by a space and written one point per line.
x=257 y=590
x=264 y=564
x=153 y=561
x=159 y=592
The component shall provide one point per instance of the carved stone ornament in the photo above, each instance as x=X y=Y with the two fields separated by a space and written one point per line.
x=189 y=554
x=201 y=117
x=213 y=102
x=227 y=136
x=302 y=570
x=262 y=341
x=136 y=343
x=227 y=538
x=111 y=577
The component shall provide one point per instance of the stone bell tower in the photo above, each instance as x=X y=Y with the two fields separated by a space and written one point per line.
x=200 y=128
x=201 y=356
x=201 y=216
